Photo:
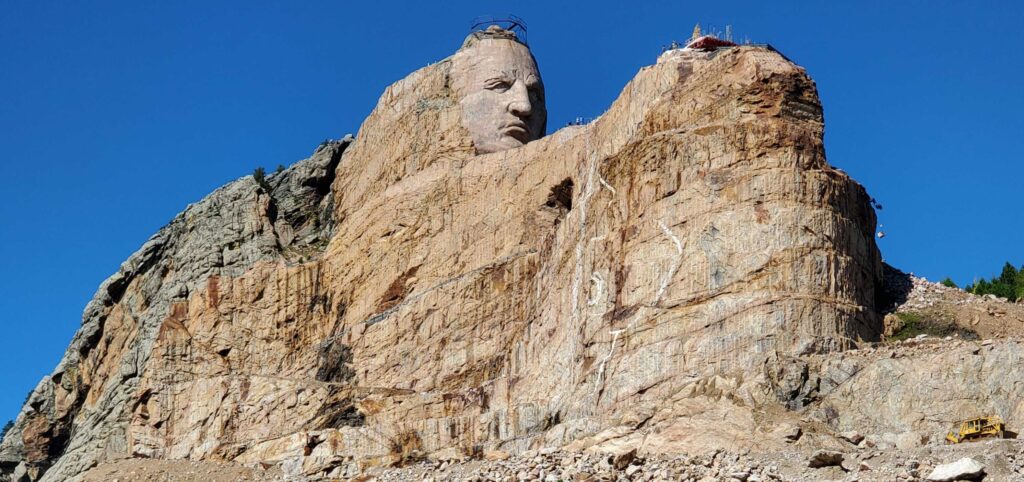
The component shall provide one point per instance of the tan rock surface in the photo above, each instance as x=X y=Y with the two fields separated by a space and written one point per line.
x=610 y=285
x=700 y=239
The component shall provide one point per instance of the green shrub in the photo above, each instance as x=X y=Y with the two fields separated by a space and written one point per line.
x=949 y=282
x=260 y=176
x=7 y=428
x=922 y=324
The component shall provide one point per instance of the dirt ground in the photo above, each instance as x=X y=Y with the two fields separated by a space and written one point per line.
x=152 y=470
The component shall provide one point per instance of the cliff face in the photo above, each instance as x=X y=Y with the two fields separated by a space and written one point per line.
x=81 y=413
x=602 y=286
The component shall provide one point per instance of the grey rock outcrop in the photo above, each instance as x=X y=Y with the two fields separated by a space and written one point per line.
x=80 y=412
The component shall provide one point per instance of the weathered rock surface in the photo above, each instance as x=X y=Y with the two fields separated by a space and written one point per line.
x=914 y=391
x=80 y=414
x=611 y=287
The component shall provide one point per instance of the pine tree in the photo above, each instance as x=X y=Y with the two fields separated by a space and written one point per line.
x=1018 y=285
x=949 y=282
x=981 y=287
x=1003 y=290
x=1009 y=274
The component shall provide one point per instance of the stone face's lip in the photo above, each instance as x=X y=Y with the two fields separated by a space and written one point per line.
x=518 y=130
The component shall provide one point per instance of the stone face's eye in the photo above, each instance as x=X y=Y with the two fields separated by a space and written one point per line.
x=498 y=85
x=536 y=93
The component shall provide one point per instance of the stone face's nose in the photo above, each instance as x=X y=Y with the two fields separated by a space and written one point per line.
x=520 y=105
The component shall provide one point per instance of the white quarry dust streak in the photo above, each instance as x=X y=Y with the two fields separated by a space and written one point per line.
x=577 y=278
x=675 y=262
x=605 y=184
x=598 y=288
x=604 y=361
x=610 y=188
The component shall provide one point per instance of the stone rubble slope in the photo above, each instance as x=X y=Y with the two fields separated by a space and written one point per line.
x=988 y=316
x=1003 y=461
x=553 y=465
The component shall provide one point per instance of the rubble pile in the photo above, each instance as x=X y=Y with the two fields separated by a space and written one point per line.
x=988 y=316
x=558 y=465
x=926 y=294
x=980 y=461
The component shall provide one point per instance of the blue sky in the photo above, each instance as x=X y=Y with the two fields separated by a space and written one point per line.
x=116 y=115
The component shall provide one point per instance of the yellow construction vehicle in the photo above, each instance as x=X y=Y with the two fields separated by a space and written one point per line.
x=976 y=428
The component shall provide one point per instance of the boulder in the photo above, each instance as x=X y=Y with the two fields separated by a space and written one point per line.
x=623 y=460
x=963 y=469
x=788 y=432
x=825 y=458
x=891 y=324
x=852 y=436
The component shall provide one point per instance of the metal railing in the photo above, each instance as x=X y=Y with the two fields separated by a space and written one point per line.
x=507 y=22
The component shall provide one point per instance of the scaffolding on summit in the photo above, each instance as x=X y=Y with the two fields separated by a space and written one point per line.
x=508 y=22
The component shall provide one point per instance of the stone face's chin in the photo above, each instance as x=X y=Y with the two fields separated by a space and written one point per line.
x=501 y=94
x=504 y=139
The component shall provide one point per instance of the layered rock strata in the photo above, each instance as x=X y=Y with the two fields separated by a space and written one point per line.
x=609 y=279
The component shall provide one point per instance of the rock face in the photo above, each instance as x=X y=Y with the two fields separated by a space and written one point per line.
x=917 y=392
x=603 y=287
x=81 y=413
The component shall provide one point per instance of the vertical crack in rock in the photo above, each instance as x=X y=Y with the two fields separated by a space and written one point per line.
x=676 y=261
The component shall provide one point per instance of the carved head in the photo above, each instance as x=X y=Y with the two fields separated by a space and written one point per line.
x=500 y=91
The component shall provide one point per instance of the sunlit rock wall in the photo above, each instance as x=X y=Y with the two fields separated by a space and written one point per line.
x=524 y=298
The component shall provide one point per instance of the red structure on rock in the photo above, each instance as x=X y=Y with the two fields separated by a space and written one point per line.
x=708 y=42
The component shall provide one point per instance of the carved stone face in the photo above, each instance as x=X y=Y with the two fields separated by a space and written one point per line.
x=502 y=96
